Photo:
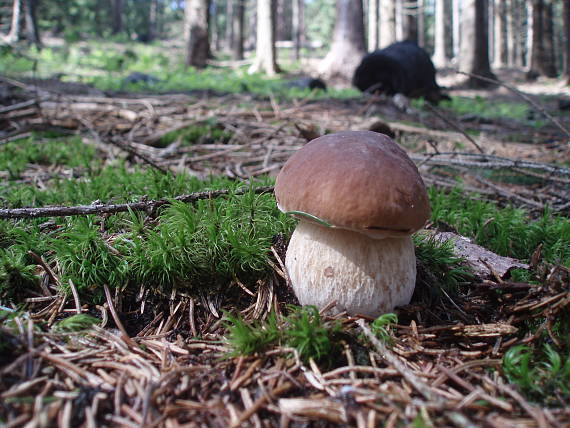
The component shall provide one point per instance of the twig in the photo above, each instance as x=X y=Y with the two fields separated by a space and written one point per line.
x=525 y=97
x=63 y=211
x=454 y=125
x=116 y=318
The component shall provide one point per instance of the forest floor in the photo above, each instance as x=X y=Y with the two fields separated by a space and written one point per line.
x=443 y=363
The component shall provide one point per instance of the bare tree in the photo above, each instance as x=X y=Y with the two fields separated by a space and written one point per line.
x=196 y=32
x=542 y=51
x=237 y=32
x=387 y=22
x=407 y=20
x=442 y=53
x=116 y=16
x=32 y=33
x=474 y=56
x=373 y=25
x=566 y=68
x=266 y=55
x=298 y=26
x=501 y=56
x=14 y=34
x=348 y=44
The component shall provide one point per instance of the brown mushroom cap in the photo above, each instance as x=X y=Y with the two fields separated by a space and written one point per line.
x=357 y=180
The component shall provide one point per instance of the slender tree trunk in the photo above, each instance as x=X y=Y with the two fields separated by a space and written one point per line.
x=500 y=46
x=373 y=25
x=542 y=52
x=439 y=53
x=152 y=20
x=196 y=32
x=230 y=16
x=14 y=34
x=456 y=12
x=475 y=42
x=266 y=56
x=548 y=65
x=298 y=26
x=409 y=17
x=32 y=33
x=116 y=16
x=421 y=23
x=566 y=68
x=237 y=33
x=387 y=22
x=348 y=45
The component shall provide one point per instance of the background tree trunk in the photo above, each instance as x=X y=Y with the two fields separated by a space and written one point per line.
x=501 y=57
x=348 y=45
x=373 y=25
x=475 y=42
x=421 y=23
x=14 y=34
x=542 y=55
x=548 y=65
x=32 y=33
x=116 y=16
x=152 y=20
x=265 y=59
x=409 y=17
x=237 y=33
x=230 y=31
x=196 y=32
x=387 y=22
x=566 y=67
x=298 y=26
x=441 y=54
x=456 y=12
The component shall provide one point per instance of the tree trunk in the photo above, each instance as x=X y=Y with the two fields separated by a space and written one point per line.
x=265 y=59
x=515 y=41
x=421 y=23
x=387 y=22
x=14 y=34
x=116 y=16
x=196 y=32
x=348 y=44
x=456 y=22
x=32 y=33
x=566 y=12
x=409 y=17
x=373 y=25
x=230 y=15
x=440 y=53
x=237 y=33
x=152 y=20
x=298 y=26
x=542 y=55
x=474 y=57
x=500 y=40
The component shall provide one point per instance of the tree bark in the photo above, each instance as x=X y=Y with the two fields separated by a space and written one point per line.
x=456 y=12
x=196 y=32
x=421 y=23
x=474 y=57
x=14 y=34
x=387 y=22
x=409 y=18
x=237 y=33
x=439 y=53
x=266 y=56
x=116 y=16
x=566 y=67
x=373 y=25
x=230 y=16
x=348 y=45
x=501 y=57
x=298 y=26
x=153 y=20
x=32 y=33
x=542 y=52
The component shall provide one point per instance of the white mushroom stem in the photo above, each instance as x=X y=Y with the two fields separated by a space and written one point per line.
x=364 y=275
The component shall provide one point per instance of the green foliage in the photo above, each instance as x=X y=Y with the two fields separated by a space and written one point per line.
x=16 y=272
x=204 y=134
x=440 y=260
x=506 y=231
x=486 y=108
x=76 y=323
x=538 y=374
x=44 y=149
x=381 y=326
x=303 y=329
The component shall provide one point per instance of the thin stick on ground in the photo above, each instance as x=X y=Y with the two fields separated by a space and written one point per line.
x=63 y=211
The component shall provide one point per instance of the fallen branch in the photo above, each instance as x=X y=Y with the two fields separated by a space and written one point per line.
x=118 y=208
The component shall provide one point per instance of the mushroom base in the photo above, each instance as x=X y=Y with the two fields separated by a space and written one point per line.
x=364 y=275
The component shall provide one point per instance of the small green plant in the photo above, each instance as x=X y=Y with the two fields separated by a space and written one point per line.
x=517 y=367
x=76 y=323
x=440 y=260
x=381 y=326
x=247 y=338
x=16 y=272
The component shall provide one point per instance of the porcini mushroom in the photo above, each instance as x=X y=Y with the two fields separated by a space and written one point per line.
x=358 y=197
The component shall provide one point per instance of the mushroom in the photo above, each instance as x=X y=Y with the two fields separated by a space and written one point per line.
x=358 y=197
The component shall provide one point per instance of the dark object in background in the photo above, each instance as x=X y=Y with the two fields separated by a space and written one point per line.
x=382 y=128
x=138 y=77
x=402 y=67
x=564 y=104
x=307 y=83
